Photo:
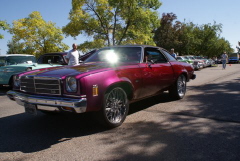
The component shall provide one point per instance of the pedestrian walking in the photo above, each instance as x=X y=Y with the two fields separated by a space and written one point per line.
x=73 y=56
x=224 y=60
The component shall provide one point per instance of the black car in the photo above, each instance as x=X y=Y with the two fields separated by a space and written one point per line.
x=60 y=58
x=53 y=58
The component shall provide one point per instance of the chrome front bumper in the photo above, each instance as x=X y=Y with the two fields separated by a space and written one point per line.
x=77 y=105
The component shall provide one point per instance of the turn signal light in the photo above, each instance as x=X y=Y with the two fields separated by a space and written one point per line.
x=67 y=108
x=95 y=90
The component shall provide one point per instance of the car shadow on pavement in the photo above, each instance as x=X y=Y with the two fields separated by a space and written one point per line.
x=183 y=135
x=216 y=101
x=148 y=102
x=3 y=90
x=28 y=133
x=209 y=130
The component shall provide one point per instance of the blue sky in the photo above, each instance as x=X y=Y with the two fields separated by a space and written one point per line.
x=196 y=11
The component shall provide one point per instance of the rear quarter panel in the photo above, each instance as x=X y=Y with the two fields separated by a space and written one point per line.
x=182 y=68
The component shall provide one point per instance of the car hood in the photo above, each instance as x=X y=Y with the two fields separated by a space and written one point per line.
x=70 y=70
x=33 y=66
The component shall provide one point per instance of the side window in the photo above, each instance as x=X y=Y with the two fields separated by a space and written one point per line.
x=47 y=59
x=57 y=59
x=170 y=57
x=154 y=55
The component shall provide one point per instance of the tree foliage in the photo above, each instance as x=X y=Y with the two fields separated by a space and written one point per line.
x=113 y=22
x=189 y=38
x=3 y=26
x=37 y=36
x=15 y=48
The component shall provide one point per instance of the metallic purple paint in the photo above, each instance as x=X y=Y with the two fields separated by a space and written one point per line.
x=138 y=80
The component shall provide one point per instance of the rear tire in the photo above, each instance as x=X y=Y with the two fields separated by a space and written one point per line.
x=178 y=89
x=115 y=108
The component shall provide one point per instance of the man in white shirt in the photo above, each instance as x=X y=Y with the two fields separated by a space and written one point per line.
x=73 y=56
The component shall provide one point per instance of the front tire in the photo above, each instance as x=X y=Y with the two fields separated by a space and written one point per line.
x=115 y=108
x=178 y=89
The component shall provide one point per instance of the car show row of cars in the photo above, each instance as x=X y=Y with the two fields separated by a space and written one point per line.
x=11 y=64
x=200 y=62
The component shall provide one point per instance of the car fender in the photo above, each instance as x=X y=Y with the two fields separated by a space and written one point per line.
x=103 y=81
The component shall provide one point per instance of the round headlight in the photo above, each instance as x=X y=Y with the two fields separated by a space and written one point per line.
x=71 y=84
x=16 y=81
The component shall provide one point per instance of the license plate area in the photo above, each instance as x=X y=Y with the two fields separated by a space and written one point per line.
x=30 y=108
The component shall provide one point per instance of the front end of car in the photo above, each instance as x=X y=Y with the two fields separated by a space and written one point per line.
x=5 y=75
x=47 y=93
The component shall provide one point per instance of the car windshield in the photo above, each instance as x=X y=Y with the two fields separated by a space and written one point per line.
x=116 y=54
x=2 y=61
x=191 y=58
x=179 y=58
x=198 y=57
x=13 y=60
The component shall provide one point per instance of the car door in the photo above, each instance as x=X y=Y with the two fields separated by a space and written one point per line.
x=157 y=72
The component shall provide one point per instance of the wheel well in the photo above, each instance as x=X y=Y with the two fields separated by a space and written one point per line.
x=125 y=86
x=186 y=76
x=10 y=82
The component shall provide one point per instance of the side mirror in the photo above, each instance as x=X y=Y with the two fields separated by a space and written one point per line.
x=150 y=62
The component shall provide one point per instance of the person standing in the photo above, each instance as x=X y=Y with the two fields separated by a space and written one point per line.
x=224 y=60
x=73 y=56
x=172 y=53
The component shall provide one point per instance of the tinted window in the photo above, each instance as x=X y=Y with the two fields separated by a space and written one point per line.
x=120 y=54
x=54 y=59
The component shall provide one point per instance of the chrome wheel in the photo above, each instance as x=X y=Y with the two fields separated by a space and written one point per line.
x=181 y=86
x=178 y=89
x=116 y=106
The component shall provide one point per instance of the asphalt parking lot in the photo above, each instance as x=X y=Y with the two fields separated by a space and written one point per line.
x=205 y=125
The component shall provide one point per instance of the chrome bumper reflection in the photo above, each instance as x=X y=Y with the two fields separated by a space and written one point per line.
x=79 y=105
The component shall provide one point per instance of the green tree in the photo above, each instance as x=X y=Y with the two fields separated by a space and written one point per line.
x=36 y=35
x=189 y=38
x=20 y=48
x=3 y=26
x=15 y=47
x=113 y=22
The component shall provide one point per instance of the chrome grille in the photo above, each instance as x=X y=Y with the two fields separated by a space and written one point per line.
x=40 y=85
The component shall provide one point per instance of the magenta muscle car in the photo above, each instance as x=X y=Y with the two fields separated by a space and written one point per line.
x=105 y=83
